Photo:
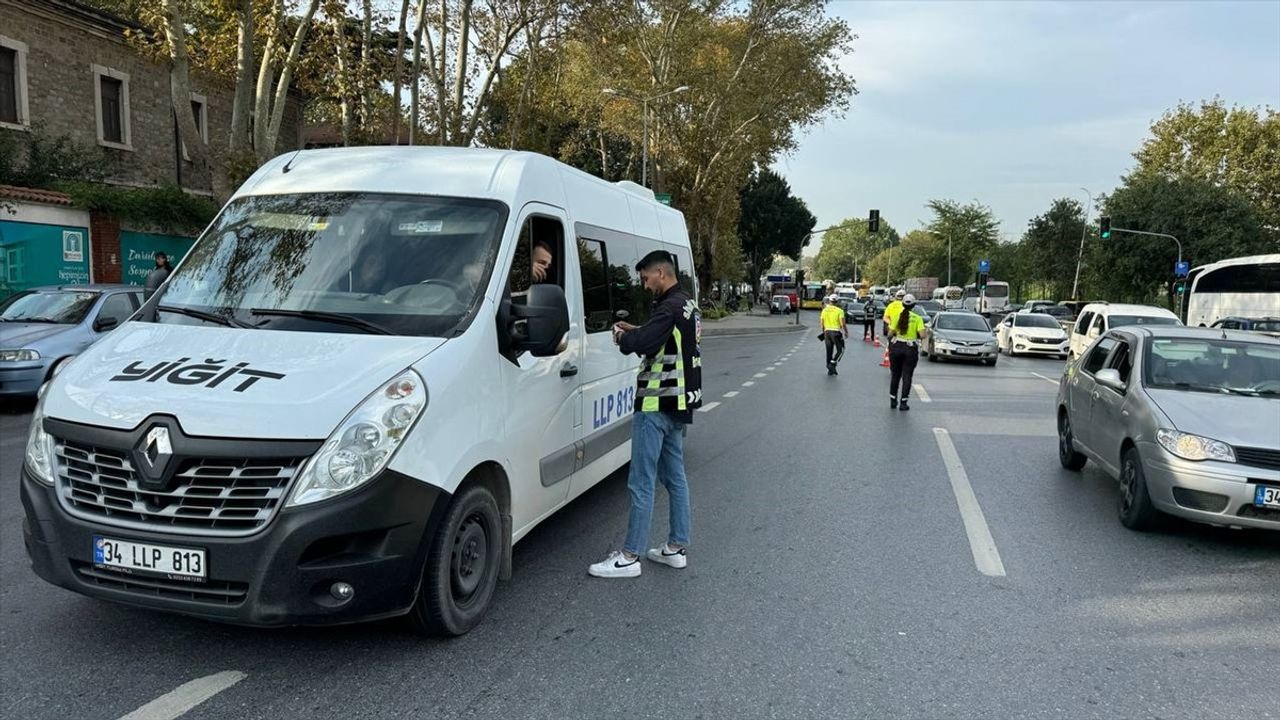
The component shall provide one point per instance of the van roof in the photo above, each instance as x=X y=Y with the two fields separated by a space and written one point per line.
x=1123 y=309
x=512 y=177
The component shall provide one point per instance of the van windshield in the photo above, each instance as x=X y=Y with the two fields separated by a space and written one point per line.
x=338 y=262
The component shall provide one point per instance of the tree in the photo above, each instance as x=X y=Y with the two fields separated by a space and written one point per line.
x=849 y=245
x=772 y=221
x=973 y=233
x=1051 y=245
x=1237 y=148
x=1212 y=222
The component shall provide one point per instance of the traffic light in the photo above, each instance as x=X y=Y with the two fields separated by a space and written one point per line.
x=1104 y=227
x=982 y=281
x=1180 y=286
x=873 y=222
x=799 y=278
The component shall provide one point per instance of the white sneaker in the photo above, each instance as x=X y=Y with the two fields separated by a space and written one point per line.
x=662 y=554
x=616 y=566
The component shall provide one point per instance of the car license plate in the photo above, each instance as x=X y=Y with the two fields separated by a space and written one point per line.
x=1265 y=496
x=131 y=557
x=966 y=351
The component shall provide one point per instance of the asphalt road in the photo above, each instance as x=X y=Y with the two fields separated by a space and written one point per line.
x=831 y=575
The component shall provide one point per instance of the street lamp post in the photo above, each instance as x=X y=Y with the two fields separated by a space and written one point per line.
x=1162 y=235
x=1084 y=231
x=644 y=112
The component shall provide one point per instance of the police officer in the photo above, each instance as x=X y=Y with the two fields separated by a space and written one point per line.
x=668 y=390
x=892 y=309
x=834 y=332
x=906 y=329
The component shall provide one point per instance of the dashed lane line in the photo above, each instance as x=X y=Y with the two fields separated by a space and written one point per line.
x=749 y=383
x=1046 y=379
x=985 y=554
x=761 y=375
x=922 y=393
x=709 y=406
x=731 y=393
x=185 y=697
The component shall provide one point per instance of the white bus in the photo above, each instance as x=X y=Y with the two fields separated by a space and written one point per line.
x=1240 y=287
x=996 y=298
x=951 y=296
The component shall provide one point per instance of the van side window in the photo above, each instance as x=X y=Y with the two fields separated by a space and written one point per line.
x=626 y=290
x=1094 y=362
x=593 y=261
x=1100 y=323
x=1082 y=325
x=684 y=270
x=539 y=254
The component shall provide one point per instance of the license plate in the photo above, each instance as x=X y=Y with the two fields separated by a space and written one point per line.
x=966 y=351
x=131 y=557
x=1265 y=496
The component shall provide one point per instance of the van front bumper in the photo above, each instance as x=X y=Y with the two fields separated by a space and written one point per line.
x=375 y=540
x=1209 y=492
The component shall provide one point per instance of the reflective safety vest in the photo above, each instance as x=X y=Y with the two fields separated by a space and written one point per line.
x=670 y=380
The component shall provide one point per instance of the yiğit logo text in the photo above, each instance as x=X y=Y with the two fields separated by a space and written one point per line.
x=210 y=373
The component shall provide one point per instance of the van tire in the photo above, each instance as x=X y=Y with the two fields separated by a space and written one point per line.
x=462 y=566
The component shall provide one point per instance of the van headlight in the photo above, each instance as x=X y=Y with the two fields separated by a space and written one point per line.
x=39 y=457
x=363 y=444
x=1194 y=447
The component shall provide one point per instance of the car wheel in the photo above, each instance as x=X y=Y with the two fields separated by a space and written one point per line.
x=1067 y=454
x=462 y=566
x=933 y=357
x=1136 y=510
x=991 y=362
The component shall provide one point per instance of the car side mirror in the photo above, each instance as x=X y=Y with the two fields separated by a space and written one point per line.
x=104 y=324
x=1110 y=378
x=540 y=324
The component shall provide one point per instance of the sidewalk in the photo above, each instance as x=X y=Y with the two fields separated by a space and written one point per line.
x=750 y=324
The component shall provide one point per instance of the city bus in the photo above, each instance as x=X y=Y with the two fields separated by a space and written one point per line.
x=951 y=296
x=996 y=298
x=1238 y=287
x=811 y=297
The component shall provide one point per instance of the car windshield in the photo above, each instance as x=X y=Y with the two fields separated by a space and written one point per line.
x=1056 y=311
x=962 y=321
x=63 y=307
x=1123 y=320
x=1213 y=365
x=1035 y=321
x=339 y=262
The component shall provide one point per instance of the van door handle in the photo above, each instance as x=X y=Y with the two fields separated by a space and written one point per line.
x=1096 y=394
x=568 y=370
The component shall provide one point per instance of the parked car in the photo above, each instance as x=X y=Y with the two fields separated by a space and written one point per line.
x=930 y=307
x=1033 y=304
x=1031 y=333
x=1058 y=312
x=1266 y=325
x=1075 y=306
x=43 y=328
x=780 y=304
x=1097 y=318
x=959 y=335
x=1187 y=419
x=854 y=310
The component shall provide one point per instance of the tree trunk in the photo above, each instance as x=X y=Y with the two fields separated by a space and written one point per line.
x=441 y=101
x=460 y=78
x=365 y=84
x=286 y=75
x=180 y=93
x=239 y=139
x=398 y=78
x=262 y=97
x=414 y=89
x=339 y=19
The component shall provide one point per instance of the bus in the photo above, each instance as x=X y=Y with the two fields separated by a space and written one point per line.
x=1238 y=287
x=811 y=297
x=951 y=296
x=996 y=298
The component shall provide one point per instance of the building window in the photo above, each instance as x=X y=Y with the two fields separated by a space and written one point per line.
x=200 y=111
x=13 y=84
x=111 y=97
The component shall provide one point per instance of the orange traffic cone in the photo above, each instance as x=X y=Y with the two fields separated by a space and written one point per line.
x=875 y=341
x=884 y=361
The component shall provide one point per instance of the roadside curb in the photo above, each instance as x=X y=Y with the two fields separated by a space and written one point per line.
x=767 y=330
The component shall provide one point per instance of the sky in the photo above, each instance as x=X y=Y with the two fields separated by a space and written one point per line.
x=1015 y=104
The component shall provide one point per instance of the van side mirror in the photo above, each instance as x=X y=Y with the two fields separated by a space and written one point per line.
x=1110 y=378
x=104 y=324
x=1094 y=332
x=540 y=324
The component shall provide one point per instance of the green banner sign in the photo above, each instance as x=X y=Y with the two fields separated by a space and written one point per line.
x=138 y=251
x=664 y=198
x=32 y=255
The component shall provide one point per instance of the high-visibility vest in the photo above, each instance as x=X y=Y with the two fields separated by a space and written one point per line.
x=672 y=380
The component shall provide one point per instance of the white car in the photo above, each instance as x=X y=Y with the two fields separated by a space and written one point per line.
x=1027 y=333
x=1099 y=317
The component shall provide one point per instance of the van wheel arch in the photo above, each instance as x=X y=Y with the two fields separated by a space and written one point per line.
x=492 y=476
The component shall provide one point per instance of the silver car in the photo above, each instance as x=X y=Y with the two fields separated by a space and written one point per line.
x=960 y=336
x=1187 y=419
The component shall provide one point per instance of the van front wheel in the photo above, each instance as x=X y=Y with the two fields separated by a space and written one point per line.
x=462 y=566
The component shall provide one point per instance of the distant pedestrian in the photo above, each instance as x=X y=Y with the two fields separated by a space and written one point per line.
x=905 y=332
x=668 y=390
x=157 y=276
x=869 y=320
x=834 y=332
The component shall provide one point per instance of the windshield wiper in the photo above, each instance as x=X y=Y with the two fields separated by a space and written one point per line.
x=338 y=318
x=36 y=320
x=202 y=315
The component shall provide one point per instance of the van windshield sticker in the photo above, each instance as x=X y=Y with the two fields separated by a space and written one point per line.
x=210 y=373
x=422 y=227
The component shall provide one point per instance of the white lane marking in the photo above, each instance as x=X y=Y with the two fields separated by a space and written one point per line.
x=985 y=554
x=921 y=393
x=709 y=407
x=771 y=368
x=1046 y=379
x=760 y=375
x=731 y=393
x=749 y=383
x=181 y=700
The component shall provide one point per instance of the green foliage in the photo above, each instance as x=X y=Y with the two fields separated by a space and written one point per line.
x=771 y=221
x=1049 y=249
x=35 y=159
x=166 y=208
x=848 y=245
x=974 y=234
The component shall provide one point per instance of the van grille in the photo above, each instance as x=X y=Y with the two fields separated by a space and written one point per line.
x=212 y=593
x=226 y=496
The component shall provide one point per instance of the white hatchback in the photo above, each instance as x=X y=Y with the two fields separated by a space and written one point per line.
x=1099 y=317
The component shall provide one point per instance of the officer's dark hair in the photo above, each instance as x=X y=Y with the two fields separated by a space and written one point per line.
x=657 y=257
x=904 y=319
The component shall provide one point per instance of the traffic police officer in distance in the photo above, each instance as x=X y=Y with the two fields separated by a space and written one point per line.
x=905 y=331
x=834 y=332
x=668 y=390
x=892 y=309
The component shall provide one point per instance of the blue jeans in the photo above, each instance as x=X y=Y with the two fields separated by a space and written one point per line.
x=657 y=454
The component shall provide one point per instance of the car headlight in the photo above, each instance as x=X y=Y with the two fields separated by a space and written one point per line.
x=363 y=444
x=39 y=457
x=1194 y=447
x=24 y=355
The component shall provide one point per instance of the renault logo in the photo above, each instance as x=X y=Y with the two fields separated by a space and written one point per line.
x=157 y=448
